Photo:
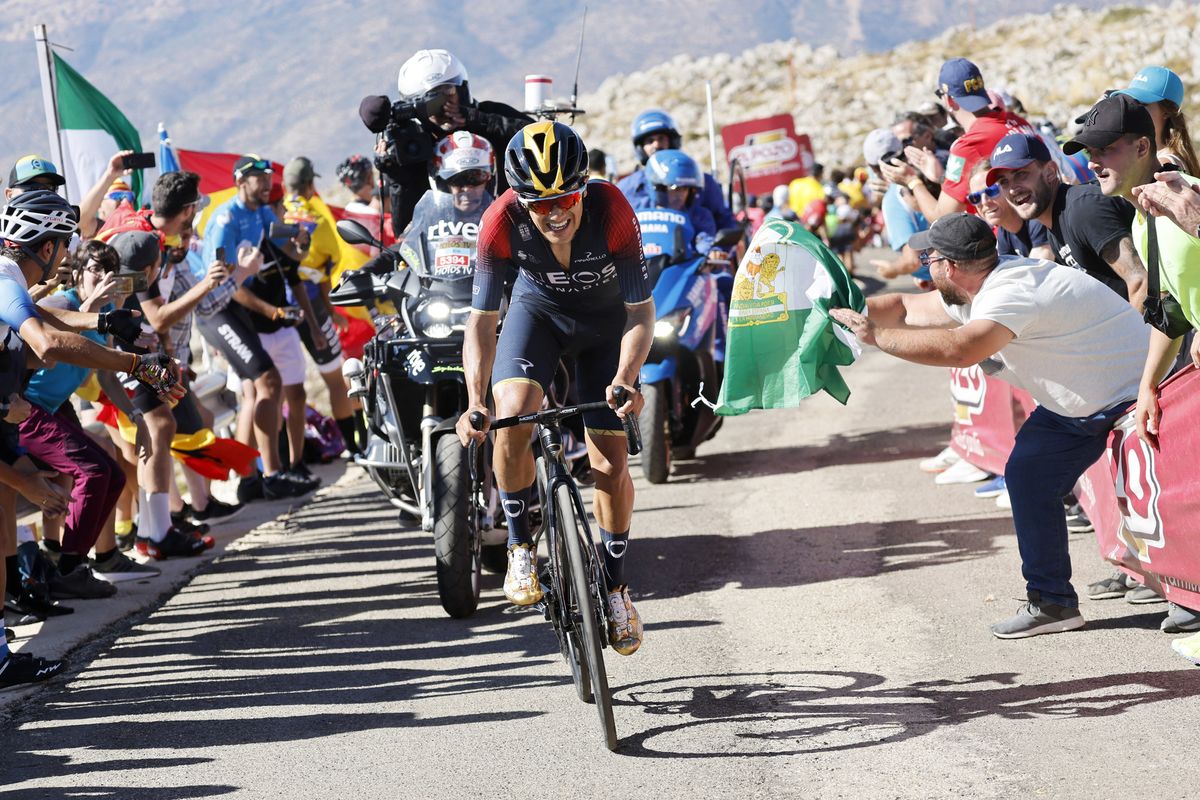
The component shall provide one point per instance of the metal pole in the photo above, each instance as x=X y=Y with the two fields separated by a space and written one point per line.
x=712 y=132
x=50 y=99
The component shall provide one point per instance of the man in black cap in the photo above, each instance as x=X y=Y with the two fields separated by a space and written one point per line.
x=1048 y=326
x=1088 y=230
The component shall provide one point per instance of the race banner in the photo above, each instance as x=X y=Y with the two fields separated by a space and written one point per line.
x=770 y=150
x=1143 y=502
x=987 y=413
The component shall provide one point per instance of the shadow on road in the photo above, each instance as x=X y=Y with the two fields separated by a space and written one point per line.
x=870 y=447
x=794 y=713
x=680 y=565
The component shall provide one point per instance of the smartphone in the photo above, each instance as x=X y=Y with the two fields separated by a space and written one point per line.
x=131 y=282
x=138 y=161
x=221 y=254
x=280 y=230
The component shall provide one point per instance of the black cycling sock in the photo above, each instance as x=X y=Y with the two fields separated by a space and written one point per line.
x=516 y=511
x=67 y=563
x=107 y=554
x=615 y=545
x=349 y=434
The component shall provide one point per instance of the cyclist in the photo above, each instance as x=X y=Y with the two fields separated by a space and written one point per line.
x=581 y=286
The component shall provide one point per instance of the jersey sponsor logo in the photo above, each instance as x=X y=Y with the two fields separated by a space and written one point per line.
x=575 y=280
x=524 y=232
x=954 y=168
x=525 y=364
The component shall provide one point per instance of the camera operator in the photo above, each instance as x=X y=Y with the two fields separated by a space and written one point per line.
x=434 y=101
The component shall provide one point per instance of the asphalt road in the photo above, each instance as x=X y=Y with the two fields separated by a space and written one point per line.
x=816 y=615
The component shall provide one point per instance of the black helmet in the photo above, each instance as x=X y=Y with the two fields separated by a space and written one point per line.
x=355 y=172
x=546 y=159
x=35 y=215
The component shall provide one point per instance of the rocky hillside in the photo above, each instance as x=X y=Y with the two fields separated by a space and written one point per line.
x=1057 y=64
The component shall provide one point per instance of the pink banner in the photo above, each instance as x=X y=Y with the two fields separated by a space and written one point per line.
x=1144 y=502
x=770 y=150
x=987 y=413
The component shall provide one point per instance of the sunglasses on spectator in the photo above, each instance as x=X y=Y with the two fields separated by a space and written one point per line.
x=991 y=192
x=472 y=177
x=926 y=261
x=262 y=165
x=547 y=206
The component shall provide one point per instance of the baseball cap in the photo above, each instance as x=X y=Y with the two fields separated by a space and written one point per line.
x=961 y=79
x=250 y=163
x=299 y=172
x=958 y=236
x=1153 y=85
x=1015 y=151
x=29 y=167
x=1109 y=120
x=137 y=249
x=878 y=144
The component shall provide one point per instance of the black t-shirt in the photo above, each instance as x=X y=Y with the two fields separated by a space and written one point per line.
x=1032 y=234
x=279 y=271
x=1086 y=221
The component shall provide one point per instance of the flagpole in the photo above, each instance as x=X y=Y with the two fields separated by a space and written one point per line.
x=49 y=98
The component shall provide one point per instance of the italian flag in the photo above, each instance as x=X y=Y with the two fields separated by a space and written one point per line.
x=782 y=345
x=91 y=130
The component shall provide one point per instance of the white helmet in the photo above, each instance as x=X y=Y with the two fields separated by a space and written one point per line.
x=461 y=151
x=428 y=69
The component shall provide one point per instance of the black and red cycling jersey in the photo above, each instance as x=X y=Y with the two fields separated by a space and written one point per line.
x=607 y=266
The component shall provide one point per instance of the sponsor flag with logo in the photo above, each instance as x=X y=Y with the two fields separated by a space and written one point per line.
x=92 y=130
x=782 y=344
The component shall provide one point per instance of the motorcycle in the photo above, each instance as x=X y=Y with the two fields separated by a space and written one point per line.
x=683 y=361
x=413 y=387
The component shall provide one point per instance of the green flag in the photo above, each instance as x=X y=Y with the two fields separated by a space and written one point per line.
x=782 y=345
x=92 y=131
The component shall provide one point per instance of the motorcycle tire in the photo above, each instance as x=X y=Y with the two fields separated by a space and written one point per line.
x=458 y=569
x=656 y=440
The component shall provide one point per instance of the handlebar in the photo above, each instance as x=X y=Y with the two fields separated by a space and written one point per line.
x=633 y=434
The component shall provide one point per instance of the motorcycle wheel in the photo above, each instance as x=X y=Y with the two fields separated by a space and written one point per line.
x=458 y=568
x=656 y=443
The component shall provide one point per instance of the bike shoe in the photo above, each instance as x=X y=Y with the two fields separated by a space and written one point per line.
x=624 y=622
x=21 y=668
x=521 y=585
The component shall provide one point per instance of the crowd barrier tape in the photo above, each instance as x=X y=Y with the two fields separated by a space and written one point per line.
x=1145 y=504
x=987 y=413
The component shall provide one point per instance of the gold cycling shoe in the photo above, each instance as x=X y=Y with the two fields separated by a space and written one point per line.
x=521 y=585
x=624 y=622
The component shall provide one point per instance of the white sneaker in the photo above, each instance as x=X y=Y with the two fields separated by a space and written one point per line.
x=1003 y=500
x=941 y=462
x=521 y=585
x=962 y=472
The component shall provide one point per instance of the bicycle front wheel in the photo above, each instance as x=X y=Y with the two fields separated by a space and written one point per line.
x=573 y=533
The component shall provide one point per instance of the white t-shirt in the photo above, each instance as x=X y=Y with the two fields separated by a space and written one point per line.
x=1078 y=347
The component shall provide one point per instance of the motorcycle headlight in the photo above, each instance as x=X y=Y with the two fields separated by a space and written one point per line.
x=673 y=324
x=437 y=319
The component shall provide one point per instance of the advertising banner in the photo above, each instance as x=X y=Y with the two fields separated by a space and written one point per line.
x=770 y=150
x=987 y=412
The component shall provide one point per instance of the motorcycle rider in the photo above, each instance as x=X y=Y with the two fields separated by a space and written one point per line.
x=581 y=286
x=676 y=181
x=461 y=173
x=434 y=100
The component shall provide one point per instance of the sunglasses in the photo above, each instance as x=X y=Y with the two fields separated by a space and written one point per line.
x=472 y=177
x=939 y=93
x=990 y=192
x=926 y=261
x=262 y=165
x=547 y=206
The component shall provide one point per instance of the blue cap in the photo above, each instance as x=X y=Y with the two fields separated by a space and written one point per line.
x=1155 y=84
x=962 y=80
x=1015 y=151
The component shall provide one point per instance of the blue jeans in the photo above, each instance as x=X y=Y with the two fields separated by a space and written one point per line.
x=1050 y=454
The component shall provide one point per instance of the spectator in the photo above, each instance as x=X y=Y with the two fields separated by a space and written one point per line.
x=1014 y=236
x=902 y=217
x=32 y=172
x=913 y=130
x=598 y=165
x=945 y=130
x=1048 y=326
x=1088 y=230
x=1173 y=198
x=1161 y=91
x=97 y=205
x=779 y=204
x=804 y=192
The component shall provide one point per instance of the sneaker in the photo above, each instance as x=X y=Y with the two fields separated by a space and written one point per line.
x=1180 y=620
x=125 y=541
x=302 y=475
x=281 y=486
x=180 y=520
x=941 y=462
x=1003 y=500
x=10 y=635
x=1142 y=595
x=120 y=567
x=216 y=511
x=1077 y=521
x=993 y=488
x=624 y=622
x=1037 y=617
x=1188 y=647
x=1112 y=587
x=962 y=472
x=521 y=585
x=173 y=544
x=80 y=583
x=250 y=488
x=26 y=604
x=21 y=668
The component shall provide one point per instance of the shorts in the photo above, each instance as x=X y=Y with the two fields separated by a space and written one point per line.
x=232 y=333
x=287 y=353
x=186 y=414
x=533 y=339
x=329 y=358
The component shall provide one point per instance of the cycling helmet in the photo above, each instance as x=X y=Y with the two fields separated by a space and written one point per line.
x=355 y=172
x=673 y=169
x=461 y=152
x=546 y=159
x=35 y=215
x=429 y=69
x=654 y=120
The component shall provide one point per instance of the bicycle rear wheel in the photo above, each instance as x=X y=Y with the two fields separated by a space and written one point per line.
x=587 y=617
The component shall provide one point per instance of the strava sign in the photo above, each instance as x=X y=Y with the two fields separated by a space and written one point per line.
x=770 y=151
